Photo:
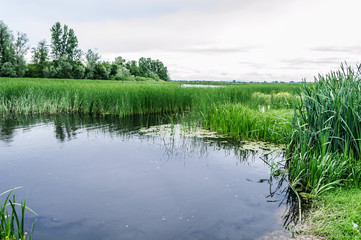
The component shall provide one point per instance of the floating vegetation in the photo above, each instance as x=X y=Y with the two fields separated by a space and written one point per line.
x=170 y=129
x=265 y=147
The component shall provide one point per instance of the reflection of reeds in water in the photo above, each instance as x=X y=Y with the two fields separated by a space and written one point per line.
x=179 y=142
x=67 y=126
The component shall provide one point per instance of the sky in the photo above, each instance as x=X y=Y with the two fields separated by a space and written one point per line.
x=243 y=40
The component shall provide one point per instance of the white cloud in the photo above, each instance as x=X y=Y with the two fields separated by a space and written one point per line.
x=199 y=39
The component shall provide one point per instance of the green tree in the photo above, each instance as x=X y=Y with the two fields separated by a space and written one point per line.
x=118 y=69
x=6 y=48
x=64 y=43
x=78 y=70
x=119 y=61
x=144 y=67
x=21 y=47
x=158 y=68
x=50 y=71
x=40 y=53
x=12 y=52
x=122 y=74
x=39 y=60
x=8 y=70
x=153 y=69
x=102 y=70
x=133 y=68
x=64 y=67
x=91 y=59
x=65 y=52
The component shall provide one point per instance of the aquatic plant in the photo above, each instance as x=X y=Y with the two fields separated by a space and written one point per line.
x=53 y=96
x=324 y=147
x=12 y=224
x=242 y=122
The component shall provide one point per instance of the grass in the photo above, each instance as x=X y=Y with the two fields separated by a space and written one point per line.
x=54 y=96
x=242 y=122
x=321 y=125
x=12 y=224
x=324 y=147
x=337 y=214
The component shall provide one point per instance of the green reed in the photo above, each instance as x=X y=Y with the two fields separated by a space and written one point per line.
x=242 y=122
x=324 y=147
x=54 y=96
x=12 y=221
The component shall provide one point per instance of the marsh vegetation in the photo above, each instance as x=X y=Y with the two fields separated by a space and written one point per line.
x=317 y=123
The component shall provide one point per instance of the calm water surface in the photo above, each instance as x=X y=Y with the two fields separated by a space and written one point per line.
x=97 y=178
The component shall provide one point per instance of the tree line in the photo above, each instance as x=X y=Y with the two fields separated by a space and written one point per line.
x=62 y=58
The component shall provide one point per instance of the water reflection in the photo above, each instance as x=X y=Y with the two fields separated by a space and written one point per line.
x=109 y=180
x=66 y=126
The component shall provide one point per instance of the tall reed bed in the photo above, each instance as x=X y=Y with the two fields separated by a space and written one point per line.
x=324 y=147
x=52 y=96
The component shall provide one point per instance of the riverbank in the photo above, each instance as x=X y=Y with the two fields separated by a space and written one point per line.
x=335 y=214
x=260 y=111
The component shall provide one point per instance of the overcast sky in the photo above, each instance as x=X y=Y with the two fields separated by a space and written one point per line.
x=249 y=40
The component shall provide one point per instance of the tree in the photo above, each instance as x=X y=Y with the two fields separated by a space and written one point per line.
x=144 y=67
x=20 y=49
x=6 y=49
x=64 y=43
x=50 y=71
x=20 y=46
x=40 y=53
x=12 y=52
x=65 y=53
x=64 y=68
x=122 y=73
x=78 y=70
x=118 y=69
x=8 y=70
x=91 y=58
x=119 y=61
x=133 y=68
x=39 y=59
x=19 y=66
x=102 y=70
x=159 y=68
x=153 y=69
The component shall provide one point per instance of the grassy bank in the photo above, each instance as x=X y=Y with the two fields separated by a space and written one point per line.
x=337 y=214
x=320 y=122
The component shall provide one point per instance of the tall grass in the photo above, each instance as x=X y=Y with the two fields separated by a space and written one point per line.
x=12 y=222
x=242 y=122
x=324 y=147
x=50 y=96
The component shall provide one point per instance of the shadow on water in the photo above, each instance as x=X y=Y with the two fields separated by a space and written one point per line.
x=177 y=146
